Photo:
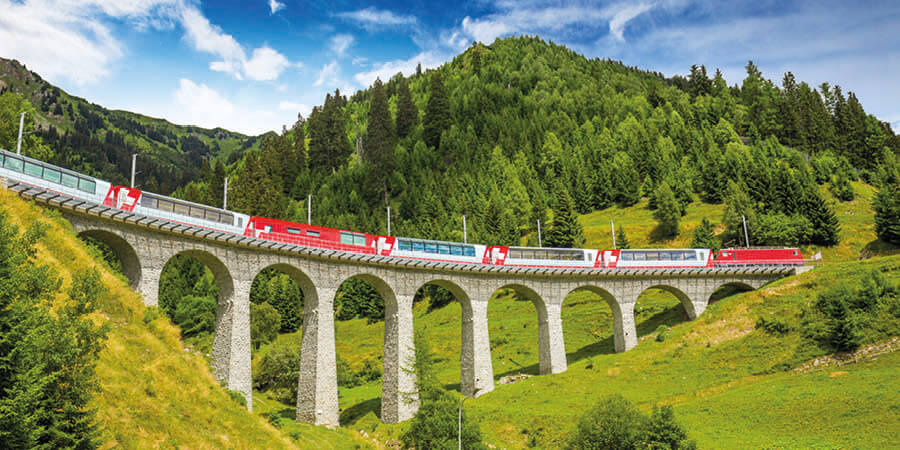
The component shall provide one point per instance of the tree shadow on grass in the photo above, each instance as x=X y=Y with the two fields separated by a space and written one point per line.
x=878 y=248
x=352 y=414
x=658 y=234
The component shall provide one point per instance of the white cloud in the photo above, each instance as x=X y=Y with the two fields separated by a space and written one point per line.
x=275 y=6
x=481 y=30
x=372 y=18
x=70 y=39
x=359 y=61
x=340 y=43
x=198 y=104
x=623 y=16
x=266 y=64
x=295 y=108
x=388 y=69
x=328 y=75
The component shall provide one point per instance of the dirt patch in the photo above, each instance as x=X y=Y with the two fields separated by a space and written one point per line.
x=510 y=379
x=613 y=371
x=864 y=353
x=837 y=374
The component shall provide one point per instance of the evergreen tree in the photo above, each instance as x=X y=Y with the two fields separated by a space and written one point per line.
x=705 y=236
x=255 y=192
x=329 y=146
x=825 y=226
x=565 y=231
x=407 y=111
x=47 y=358
x=437 y=113
x=841 y=187
x=668 y=211
x=622 y=239
x=887 y=213
x=379 y=143
x=265 y=322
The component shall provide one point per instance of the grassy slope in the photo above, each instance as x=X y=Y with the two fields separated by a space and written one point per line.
x=153 y=392
x=712 y=369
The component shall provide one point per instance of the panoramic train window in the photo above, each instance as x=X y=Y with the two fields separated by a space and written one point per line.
x=148 y=201
x=444 y=249
x=197 y=212
x=69 y=181
x=87 y=185
x=33 y=169
x=52 y=175
x=418 y=246
x=13 y=164
x=404 y=245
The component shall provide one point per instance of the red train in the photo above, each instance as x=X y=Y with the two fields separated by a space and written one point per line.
x=47 y=176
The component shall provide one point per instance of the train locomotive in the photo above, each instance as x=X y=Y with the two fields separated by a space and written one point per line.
x=73 y=184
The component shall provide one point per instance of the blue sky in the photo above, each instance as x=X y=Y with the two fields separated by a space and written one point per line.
x=252 y=65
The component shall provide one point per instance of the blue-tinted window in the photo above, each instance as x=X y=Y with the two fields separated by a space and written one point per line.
x=444 y=249
x=13 y=164
x=33 y=169
x=418 y=246
x=456 y=250
x=312 y=233
x=404 y=245
x=431 y=248
x=51 y=175
x=293 y=230
x=87 y=185
x=69 y=181
x=469 y=251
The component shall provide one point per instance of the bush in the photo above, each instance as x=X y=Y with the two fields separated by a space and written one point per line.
x=780 y=229
x=662 y=333
x=887 y=213
x=279 y=371
x=773 y=326
x=196 y=315
x=615 y=423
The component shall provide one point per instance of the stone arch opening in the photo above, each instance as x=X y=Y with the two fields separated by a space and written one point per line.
x=513 y=330
x=283 y=289
x=591 y=318
x=362 y=301
x=195 y=288
x=729 y=289
x=117 y=252
x=660 y=307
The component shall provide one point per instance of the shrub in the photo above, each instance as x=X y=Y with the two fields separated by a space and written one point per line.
x=662 y=333
x=887 y=213
x=773 y=326
x=615 y=423
x=279 y=371
x=196 y=315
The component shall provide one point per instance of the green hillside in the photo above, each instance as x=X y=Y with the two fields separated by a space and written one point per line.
x=89 y=138
x=155 y=392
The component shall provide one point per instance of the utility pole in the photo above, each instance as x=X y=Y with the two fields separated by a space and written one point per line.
x=21 y=126
x=225 y=200
x=746 y=236
x=309 y=210
x=389 y=220
x=465 y=239
x=612 y=229
x=539 y=233
x=133 y=168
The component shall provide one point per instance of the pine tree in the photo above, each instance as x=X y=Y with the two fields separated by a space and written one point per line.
x=379 y=142
x=565 y=231
x=887 y=213
x=705 y=236
x=407 y=111
x=668 y=211
x=622 y=239
x=437 y=113
x=825 y=226
x=329 y=146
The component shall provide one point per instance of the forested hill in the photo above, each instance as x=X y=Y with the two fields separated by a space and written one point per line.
x=92 y=139
x=510 y=132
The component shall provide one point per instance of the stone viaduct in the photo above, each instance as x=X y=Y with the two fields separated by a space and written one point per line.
x=144 y=245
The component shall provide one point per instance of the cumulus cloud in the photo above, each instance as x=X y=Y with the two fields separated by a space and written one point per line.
x=64 y=39
x=372 y=18
x=340 y=43
x=198 y=104
x=275 y=6
x=328 y=75
x=265 y=64
x=386 y=70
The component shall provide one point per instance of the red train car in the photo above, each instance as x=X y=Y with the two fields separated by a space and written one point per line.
x=310 y=235
x=758 y=256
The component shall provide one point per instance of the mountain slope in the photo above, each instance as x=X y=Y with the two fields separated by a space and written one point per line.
x=99 y=142
x=154 y=391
